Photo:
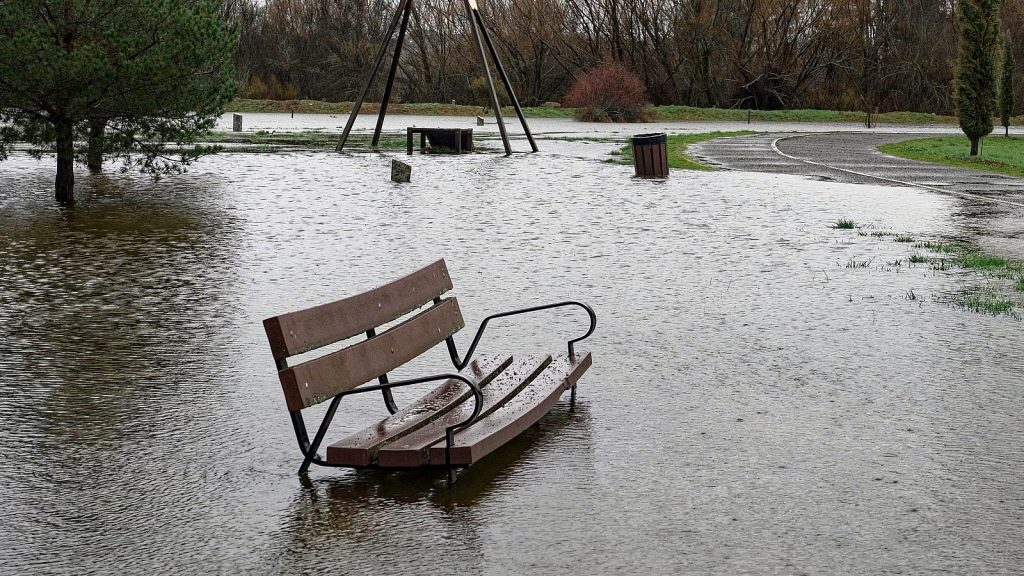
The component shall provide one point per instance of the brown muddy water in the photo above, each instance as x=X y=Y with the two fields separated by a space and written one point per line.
x=755 y=405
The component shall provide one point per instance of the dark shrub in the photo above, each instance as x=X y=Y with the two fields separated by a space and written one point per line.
x=609 y=93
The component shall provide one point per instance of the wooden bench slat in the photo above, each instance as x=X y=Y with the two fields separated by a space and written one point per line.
x=305 y=330
x=411 y=450
x=518 y=413
x=360 y=448
x=322 y=378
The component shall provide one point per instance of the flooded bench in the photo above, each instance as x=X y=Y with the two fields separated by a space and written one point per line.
x=442 y=140
x=478 y=406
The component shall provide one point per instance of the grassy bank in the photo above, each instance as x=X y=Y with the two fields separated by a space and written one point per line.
x=663 y=113
x=677 y=145
x=242 y=105
x=999 y=154
x=263 y=141
x=826 y=116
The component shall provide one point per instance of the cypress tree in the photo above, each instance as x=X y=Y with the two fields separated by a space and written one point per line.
x=1006 y=85
x=975 y=74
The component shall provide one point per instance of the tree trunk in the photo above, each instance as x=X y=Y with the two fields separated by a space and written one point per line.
x=65 y=183
x=94 y=157
x=974 y=146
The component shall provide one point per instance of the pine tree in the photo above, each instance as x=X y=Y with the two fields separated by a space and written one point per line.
x=1006 y=85
x=975 y=75
x=129 y=77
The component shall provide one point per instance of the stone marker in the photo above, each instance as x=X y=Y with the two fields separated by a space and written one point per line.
x=236 y=123
x=400 y=171
x=479 y=120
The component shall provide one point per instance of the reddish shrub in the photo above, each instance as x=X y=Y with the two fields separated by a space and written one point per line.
x=609 y=93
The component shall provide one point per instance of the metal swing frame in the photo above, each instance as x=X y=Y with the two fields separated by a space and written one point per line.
x=483 y=38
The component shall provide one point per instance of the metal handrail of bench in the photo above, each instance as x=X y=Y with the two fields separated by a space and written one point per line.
x=460 y=364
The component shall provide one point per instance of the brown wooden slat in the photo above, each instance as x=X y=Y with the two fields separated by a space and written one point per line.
x=305 y=330
x=320 y=379
x=518 y=413
x=411 y=449
x=360 y=448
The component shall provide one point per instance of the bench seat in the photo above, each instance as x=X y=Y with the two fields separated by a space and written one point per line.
x=516 y=394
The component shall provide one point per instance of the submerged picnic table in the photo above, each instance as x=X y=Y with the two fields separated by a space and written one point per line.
x=457 y=140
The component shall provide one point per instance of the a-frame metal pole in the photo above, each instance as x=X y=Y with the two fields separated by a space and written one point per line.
x=369 y=81
x=471 y=10
x=504 y=79
x=391 y=73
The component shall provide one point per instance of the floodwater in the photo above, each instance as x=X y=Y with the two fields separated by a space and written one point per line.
x=755 y=405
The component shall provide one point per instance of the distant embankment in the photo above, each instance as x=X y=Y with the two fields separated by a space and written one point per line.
x=663 y=113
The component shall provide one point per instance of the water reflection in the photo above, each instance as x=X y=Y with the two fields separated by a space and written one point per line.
x=366 y=513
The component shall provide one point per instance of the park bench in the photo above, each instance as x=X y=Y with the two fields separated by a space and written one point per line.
x=479 y=406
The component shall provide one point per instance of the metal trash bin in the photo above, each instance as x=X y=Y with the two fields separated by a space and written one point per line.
x=650 y=155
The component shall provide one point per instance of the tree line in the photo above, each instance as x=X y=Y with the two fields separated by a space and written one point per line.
x=763 y=54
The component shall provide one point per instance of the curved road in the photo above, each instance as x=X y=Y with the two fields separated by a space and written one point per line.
x=992 y=203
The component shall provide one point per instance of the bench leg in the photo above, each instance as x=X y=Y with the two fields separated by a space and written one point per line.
x=320 y=433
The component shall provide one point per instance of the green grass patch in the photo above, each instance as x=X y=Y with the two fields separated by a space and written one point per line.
x=916 y=258
x=802 y=115
x=844 y=224
x=242 y=105
x=677 y=145
x=999 y=154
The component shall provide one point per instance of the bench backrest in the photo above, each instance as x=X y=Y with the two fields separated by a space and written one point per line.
x=321 y=378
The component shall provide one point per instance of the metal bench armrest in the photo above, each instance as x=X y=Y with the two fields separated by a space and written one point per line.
x=460 y=364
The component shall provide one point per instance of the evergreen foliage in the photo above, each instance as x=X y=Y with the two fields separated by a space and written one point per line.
x=975 y=75
x=129 y=77
x=1006 y=85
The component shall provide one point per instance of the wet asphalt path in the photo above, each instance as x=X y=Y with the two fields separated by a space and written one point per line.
x=992 y=204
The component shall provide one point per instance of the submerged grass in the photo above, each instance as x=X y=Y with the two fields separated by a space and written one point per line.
x=979 y=260
x=986 y=303
x=263 y=141
x=844 y=224
x=999 y=154
x=992 y=299
x=944 y=248
x=677 y=145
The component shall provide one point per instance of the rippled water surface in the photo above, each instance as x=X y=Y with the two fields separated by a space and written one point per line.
x=755 y=405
